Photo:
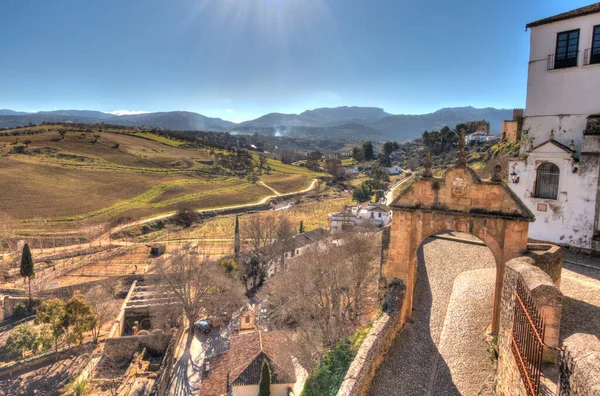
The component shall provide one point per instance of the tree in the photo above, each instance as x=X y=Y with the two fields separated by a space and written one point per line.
x=103 y=304
x=362 y=193
x=301 y=227
x=367 y=149
x=333 y=166
x=80 y=316
x=388 y=148
x=199 y=287
x=264 y=385
x=23 y=338
x=186 y=217
x=328 y=292
x=357 y=154
x=52 y=312
x=27 y=142
x=6 y=231
x=27 y=269
x=263 y=160
x=263 y=236
x=379 y=176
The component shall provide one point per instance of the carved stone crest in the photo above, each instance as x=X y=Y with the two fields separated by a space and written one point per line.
x=459 y=187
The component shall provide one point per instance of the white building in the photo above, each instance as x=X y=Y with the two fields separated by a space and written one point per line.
x=285 y=251
x=367 y=214
x=557 y=173
x=481 y=137
x=394 y=170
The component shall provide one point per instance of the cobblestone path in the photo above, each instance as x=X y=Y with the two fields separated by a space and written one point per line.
x=418 y=362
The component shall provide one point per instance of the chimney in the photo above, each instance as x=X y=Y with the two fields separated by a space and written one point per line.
x=207 y=366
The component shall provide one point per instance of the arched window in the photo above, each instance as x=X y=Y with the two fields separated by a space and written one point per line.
x=546 y=184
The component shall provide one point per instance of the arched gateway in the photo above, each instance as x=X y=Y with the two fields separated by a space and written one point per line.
x=458 y=201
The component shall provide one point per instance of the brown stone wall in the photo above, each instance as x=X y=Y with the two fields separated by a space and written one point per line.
x=459 y=201
x=548 y=299
x=511 y=131
x=547 y=257
x=580 y=365
x=375 y=346
x=125 y=347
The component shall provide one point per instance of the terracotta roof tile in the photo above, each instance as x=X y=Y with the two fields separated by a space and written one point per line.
x=245 y=349
x=590 y=9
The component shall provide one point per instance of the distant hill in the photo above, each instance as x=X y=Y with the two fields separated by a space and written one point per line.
x=346 y=123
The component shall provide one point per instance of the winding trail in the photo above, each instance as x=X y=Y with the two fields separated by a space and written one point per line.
x=105 y=237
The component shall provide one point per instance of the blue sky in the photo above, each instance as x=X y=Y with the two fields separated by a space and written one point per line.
x=239 y=59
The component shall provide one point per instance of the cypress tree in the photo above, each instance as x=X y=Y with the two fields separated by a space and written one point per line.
x=264 y=385
x=301 y=226
x=27 y=269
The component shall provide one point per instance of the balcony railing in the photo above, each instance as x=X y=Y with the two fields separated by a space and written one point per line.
x=562 y=60
x=591 y=56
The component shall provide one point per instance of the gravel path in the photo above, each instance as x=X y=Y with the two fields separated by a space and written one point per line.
x=414 y=365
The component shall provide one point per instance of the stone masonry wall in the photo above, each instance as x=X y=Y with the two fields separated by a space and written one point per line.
x=548 y=299
x=580 y=368
x=374 y=348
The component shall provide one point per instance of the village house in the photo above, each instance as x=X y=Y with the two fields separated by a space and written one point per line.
x=480 y=137
x=394 y=170
x=237 y=371
x=556 y=174
x=290 y=248
x=366 y=214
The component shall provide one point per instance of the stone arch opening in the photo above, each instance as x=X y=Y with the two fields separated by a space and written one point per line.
x=458 y=201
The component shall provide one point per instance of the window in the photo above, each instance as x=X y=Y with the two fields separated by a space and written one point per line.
x=372 y=214
x=247 y=319
x=595 y=56
x=546 y=183
x=567 y=48
x=379 y=214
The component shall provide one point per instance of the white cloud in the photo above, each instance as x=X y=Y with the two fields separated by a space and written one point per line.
x=230 y=110
x=127 y=112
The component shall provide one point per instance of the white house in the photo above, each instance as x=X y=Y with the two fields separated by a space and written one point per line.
x=285 y=251
x=394 y=170
x=481 y=137
x=556 y=174
x=366 y=214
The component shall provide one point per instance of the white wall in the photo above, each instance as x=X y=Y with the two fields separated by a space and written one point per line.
x=566 y=128
x=569 y=220
x=564 y=91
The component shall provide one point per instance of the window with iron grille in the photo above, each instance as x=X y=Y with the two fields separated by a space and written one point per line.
x=595 y=55
x=546 y=183
x=567 y=47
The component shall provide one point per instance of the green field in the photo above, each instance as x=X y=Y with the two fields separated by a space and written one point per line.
x=122 y=174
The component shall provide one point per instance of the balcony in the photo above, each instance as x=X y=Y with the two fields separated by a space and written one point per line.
x=562 y=60
x=591 y=56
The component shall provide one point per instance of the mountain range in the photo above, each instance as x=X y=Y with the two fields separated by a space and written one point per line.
x=348 y=123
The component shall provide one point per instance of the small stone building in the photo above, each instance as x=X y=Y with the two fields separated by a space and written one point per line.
x=237 y=371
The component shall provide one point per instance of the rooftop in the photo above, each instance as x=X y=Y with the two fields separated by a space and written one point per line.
x=242 y=363
x=590 y=9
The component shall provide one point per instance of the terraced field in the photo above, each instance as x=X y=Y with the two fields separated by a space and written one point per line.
x=98 y=177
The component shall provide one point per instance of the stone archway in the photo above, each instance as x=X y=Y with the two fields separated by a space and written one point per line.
x=458 y=201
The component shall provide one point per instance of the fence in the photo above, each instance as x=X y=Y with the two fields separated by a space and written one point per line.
x=527 y=339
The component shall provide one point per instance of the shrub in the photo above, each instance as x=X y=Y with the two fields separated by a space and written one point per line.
x=20 y=311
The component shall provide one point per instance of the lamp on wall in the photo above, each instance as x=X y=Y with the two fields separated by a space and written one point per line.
x=514 y=177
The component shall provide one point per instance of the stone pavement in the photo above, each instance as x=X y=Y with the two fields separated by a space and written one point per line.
x=415 y=364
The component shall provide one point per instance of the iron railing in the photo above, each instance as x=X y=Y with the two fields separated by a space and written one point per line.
x=546 y=182
x=562 y=60
x=527 y=342
x=591 y=56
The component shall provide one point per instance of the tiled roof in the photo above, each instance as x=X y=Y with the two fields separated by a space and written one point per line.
x=590 y=9
x=244 y=359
